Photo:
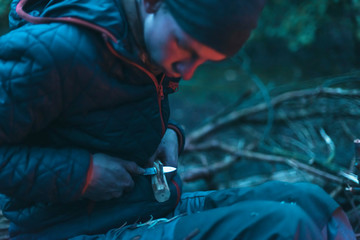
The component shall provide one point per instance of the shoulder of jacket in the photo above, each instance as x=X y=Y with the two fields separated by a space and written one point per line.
x=55 y=40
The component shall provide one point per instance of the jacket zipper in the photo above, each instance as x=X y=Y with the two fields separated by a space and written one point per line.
x=158 y=86
x=106 y=35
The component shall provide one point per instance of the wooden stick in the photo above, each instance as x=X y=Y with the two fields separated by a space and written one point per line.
x=235 y=116
x=238 y=154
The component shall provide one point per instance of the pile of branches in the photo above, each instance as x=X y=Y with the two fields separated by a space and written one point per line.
x=294 y=135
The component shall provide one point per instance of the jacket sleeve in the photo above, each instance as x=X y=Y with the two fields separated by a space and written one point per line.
x=43 y=174
x=34 y=64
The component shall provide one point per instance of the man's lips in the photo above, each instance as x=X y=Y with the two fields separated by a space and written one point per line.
x=174 y=71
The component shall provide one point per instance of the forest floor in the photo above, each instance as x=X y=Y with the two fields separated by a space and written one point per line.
x=244 y=130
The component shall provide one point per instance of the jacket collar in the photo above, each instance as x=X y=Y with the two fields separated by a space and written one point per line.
x=132 y=14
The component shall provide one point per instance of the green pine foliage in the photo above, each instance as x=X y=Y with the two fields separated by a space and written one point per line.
x=298 y=22
x=4 y=10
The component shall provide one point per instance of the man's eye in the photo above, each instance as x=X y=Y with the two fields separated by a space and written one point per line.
x=185 y=48
x=180 y=44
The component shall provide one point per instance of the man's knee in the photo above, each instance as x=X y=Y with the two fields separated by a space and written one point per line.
x=308 y=188
x=295 y=189
x=270 y=220
x=292 y=222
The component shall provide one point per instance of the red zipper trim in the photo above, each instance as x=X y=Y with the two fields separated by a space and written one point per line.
x=174 y=86
x=88 y=175
x=159 y=87
x=106 y=34
x=178 y=192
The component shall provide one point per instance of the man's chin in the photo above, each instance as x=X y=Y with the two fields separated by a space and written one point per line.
x=170 y=74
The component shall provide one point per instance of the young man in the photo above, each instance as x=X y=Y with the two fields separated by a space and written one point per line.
x=83 y=106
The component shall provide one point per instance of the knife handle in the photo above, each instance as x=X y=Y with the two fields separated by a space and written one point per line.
x=150 y=171
x=159 y=183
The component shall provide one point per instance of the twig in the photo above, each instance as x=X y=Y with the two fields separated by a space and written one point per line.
x=263 y=157
x=329 y=142
x=233 y=106
x=302 y=146
x=235 y=116
x=355 y=210
x=336 y=191
x=297 y=130
x=208 y=172
x=290 y=175
x=347 y=131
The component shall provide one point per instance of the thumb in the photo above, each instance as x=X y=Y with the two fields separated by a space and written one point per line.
x=133 y=168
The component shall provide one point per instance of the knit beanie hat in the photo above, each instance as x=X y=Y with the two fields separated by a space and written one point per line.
x=223 y=25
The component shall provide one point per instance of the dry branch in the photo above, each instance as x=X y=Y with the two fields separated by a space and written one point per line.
x=238 y=115
x=250 y=155
x=208 y=171
x=312 y=131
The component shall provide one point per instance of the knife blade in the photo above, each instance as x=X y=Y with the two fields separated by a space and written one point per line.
x=153 y=171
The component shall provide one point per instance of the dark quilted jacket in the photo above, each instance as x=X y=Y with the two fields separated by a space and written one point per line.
x=70 y=86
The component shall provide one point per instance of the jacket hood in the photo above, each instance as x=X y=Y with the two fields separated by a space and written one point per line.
x=104 y=16
x=107 y=14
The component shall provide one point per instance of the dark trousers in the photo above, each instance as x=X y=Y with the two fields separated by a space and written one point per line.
x=274 y=210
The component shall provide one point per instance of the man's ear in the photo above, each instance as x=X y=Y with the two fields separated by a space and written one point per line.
x=152 y=6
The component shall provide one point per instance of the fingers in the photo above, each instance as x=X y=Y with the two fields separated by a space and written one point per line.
x=132 y=167
x=125 y=182
x=117 y=194
x=167 y=151
x=113 y=177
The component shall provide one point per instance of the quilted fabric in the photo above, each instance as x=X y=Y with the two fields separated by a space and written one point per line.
x=64 y=96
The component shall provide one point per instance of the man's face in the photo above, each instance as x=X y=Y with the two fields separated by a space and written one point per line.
x=172 y=49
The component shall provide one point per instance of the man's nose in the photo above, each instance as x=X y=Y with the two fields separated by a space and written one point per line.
x=188 y=68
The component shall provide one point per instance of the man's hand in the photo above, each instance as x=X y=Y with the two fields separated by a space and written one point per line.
x=168 y=151
x=110 y=177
